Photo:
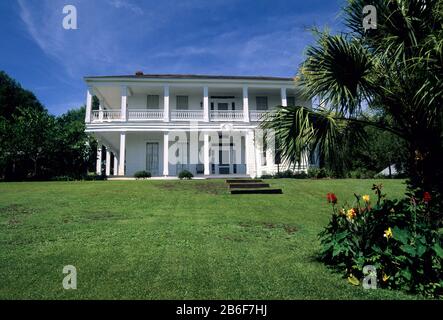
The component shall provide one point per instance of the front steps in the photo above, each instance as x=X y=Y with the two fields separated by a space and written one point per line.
x=251 y=186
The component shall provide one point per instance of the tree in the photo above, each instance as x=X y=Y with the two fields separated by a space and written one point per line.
x=37 y=145
x=75 y=149
x=13 y=96
x=394 y=70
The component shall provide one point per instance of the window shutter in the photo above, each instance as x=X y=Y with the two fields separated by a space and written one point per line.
x=291 y=101
x=153 y=102
x=262 y=103
x=182 y=103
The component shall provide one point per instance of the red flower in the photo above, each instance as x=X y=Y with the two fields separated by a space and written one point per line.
x=427 y=197
x=331 y=198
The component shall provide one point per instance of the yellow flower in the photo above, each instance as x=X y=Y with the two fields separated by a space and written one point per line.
x=366 y=198
x=385 y=277
x=351 y=214
x=388 y=233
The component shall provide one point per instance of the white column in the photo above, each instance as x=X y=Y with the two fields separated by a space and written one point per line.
x=166 y=111
x=89 y=94
x=121 y=168
x=206 y=104
x=245 y=104
x=258 y=146
x=108 y=162
x=100 y=111
x=124 y=102
x=270 y=151
x=166 y=154
x=115 y=165
x=250 y=154
x=98 y=169
x=207 y=170
x=284 y=101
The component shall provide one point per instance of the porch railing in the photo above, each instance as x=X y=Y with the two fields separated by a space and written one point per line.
x=145 y=114
x=255 y=115
x=178 y=115
x=106 y=115
x=226 y=115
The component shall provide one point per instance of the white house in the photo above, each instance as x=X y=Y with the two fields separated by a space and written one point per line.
x=165 y=123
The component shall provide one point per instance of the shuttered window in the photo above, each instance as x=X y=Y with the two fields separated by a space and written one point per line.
x=291 y=101
x=182 y=103
x=262 y=103
x=153 y=102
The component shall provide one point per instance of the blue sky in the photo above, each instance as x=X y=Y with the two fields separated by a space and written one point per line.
x=232 y=37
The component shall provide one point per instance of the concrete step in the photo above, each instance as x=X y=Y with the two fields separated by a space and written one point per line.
x=243 y=180
x=248 y=185
x=257 y=191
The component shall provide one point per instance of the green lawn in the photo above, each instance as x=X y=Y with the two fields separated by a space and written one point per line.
x=172 y=240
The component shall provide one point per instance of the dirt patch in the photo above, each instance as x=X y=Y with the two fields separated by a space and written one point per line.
x=199 y=187
x=211 y=188
x=233 y=238
x=105 y=215
x=269 y=225
x=13 y=221
x=288 y=228
x=16 y=209
x=168 y=186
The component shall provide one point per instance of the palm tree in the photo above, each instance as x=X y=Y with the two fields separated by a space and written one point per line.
x=394 y=71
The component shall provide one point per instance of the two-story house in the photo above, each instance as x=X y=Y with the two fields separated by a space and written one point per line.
x=166 y=123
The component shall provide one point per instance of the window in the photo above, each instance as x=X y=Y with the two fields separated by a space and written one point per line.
x=262 y=103
x=182 y=103
x=153 y=102
x=291 y=101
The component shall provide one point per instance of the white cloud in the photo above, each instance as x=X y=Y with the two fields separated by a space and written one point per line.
x=127 y=5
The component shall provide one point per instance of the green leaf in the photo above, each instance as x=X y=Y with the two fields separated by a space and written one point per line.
x=353 y=280
x=341 y=235
x=409 y=249
x=438 y=250
x=420 y=249
x=401 y=235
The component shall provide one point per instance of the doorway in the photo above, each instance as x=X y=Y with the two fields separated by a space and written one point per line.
x=152 y=149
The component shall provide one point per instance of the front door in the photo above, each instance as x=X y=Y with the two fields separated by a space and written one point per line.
x=152 y=158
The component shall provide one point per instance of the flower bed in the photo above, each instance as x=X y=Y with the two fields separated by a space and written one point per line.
x=397 y=237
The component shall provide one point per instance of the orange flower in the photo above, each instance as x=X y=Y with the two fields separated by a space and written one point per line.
x=351 y=214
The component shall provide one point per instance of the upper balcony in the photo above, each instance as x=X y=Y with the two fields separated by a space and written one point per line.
x=160 y=100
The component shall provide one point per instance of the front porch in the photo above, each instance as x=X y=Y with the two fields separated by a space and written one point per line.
x=207 y=154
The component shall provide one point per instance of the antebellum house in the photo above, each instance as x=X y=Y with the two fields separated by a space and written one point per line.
x=208 y=125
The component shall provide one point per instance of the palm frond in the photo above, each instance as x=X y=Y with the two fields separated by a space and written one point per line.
x=339 y=71
x=299 y=130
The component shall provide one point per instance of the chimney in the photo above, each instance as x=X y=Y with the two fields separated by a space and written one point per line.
x=139 y=73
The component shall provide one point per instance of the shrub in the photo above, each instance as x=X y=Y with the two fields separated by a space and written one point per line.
x=397 y=237
x=92 y=176
x=62 y=178
x=142 y=174
x=317 y=173
x=284 y=174
x=185 y=174
x=300 y=175
x=362 y=173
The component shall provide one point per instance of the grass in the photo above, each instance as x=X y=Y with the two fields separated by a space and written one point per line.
x=172 y=240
